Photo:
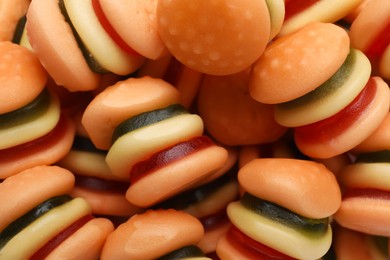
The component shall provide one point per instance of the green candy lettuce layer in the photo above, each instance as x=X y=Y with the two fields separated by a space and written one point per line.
x=329 y=86
x=284 y=216
x=82 y=143
x=184 y=252
x=147 y=118
x=381 y=244
x=27 y=113
x=19 y=30
x=19 y=224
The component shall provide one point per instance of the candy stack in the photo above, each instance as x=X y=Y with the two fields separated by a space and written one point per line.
x=208 y=129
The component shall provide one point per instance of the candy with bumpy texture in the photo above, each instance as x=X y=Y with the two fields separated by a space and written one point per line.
x=155 y=234
x=369 y=33
x=62 y=33
x=152 y=142
x=248 y=122
x=45 y=221
x=289 y=66
x=106 y=55
x=140 y=30
x=292 y=221
x=330 y=97
x=333 y=112
x=111 y=107
x=31 y=125
x=176 y=148
x=21 y=72
x=217 y=37
x=52 y=39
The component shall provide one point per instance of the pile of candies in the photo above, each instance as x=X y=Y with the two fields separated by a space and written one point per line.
x=194 y=129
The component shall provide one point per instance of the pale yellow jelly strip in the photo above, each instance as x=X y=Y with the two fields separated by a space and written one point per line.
x=333 y=102
x=366 y=175
x=33 y=129
x=139 y=144
x=384 y=64
x=277 y=11
x=24 y=40
x=323 y=11
x=38 y=233
x=278 y=236
x=87 y=164
x=108 y=54
x=216 y=201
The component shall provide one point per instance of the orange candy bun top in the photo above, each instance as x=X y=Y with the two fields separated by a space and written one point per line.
x=372 y=19
x=27 y=189
x=135 y=21
x=249 y=122
x=152 y=234
x=22 y=78
x=51 y=37
x=304 y=187
x=298 y=63
x=215 y=37
x=122 y=101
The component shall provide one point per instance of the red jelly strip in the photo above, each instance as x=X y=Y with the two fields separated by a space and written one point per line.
x=250 y=248
x=169 y=155
x=37 y=145
x=378 y=46
x=110 y=30
x=293 y=7
x=97 y=184
x=59 y=238
x=367 y=193
x=333 y=126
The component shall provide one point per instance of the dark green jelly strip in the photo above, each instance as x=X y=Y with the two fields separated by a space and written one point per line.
x=29 y=112
x=91 y=61
x=82 y=143
x=19 y=29
x=331 y=85
x=382 y=244
x=308 y=226
x=19 y=224
x=374 y=157
x=147 y=118
x=187 y=251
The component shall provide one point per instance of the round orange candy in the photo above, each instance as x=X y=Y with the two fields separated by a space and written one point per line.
x=218 y=37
